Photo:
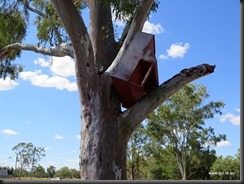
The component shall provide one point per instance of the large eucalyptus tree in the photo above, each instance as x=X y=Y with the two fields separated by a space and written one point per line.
x=179 y=125
x=61 y=30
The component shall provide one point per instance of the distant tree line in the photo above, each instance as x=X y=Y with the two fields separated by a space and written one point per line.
x=26 y=164
x=49 y=172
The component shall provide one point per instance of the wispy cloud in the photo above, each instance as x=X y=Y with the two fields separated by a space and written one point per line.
x=42 y=80
x=78 y=136
x=56 y=136
x=233 y=119
x=9 y=132
x=152 y=28
x=223 y=143
x=47 y=148
x=7 y=84
x=148 y=27
x=60 y=66
x=42 y=62
x=176 y=50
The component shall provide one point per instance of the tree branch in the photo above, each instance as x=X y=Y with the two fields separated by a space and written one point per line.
x=34 y=10
x=102 y=34
x=125 y=31
x=26 y=3
x=139 y=111
x=136 y=25
x=75 y=28
x=59 y=51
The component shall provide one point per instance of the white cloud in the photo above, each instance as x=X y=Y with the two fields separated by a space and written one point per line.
x=234 y=119
x=148 y=27
x=152 y=28
x=163 y=56
x=42 y=80
x=56 y=136
x=176 y=50
x=47 y=148
x=7 y=84
x=42 y=62
x=9 y=131
x=61 y=66
x=78 y=136
x=223 y=143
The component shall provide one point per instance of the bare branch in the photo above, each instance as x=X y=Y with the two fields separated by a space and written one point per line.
x=34 y=10
x=125 y=31
x=102 y=34
x=44 y=16
x=75 y=28
x=139 y=111
x=136 y=25
x=59 y=51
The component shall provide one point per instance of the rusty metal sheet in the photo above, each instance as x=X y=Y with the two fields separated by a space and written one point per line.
x=137 y=73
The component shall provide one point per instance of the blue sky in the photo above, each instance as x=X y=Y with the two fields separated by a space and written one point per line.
x=42 y=106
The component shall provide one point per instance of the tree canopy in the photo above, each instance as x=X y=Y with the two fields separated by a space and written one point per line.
x=226 y=168
x=12 y=30
x=178 y=124
x=27 y=156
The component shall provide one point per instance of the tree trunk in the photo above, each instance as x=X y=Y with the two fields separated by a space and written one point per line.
x=105 y=129
x=103 y=150
x=133 y=173
x=181 y=167
x=184 y=165
x=103 y=137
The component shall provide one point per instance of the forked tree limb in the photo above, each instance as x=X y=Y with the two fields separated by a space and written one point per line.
x=102 y=34
x=140 y=110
